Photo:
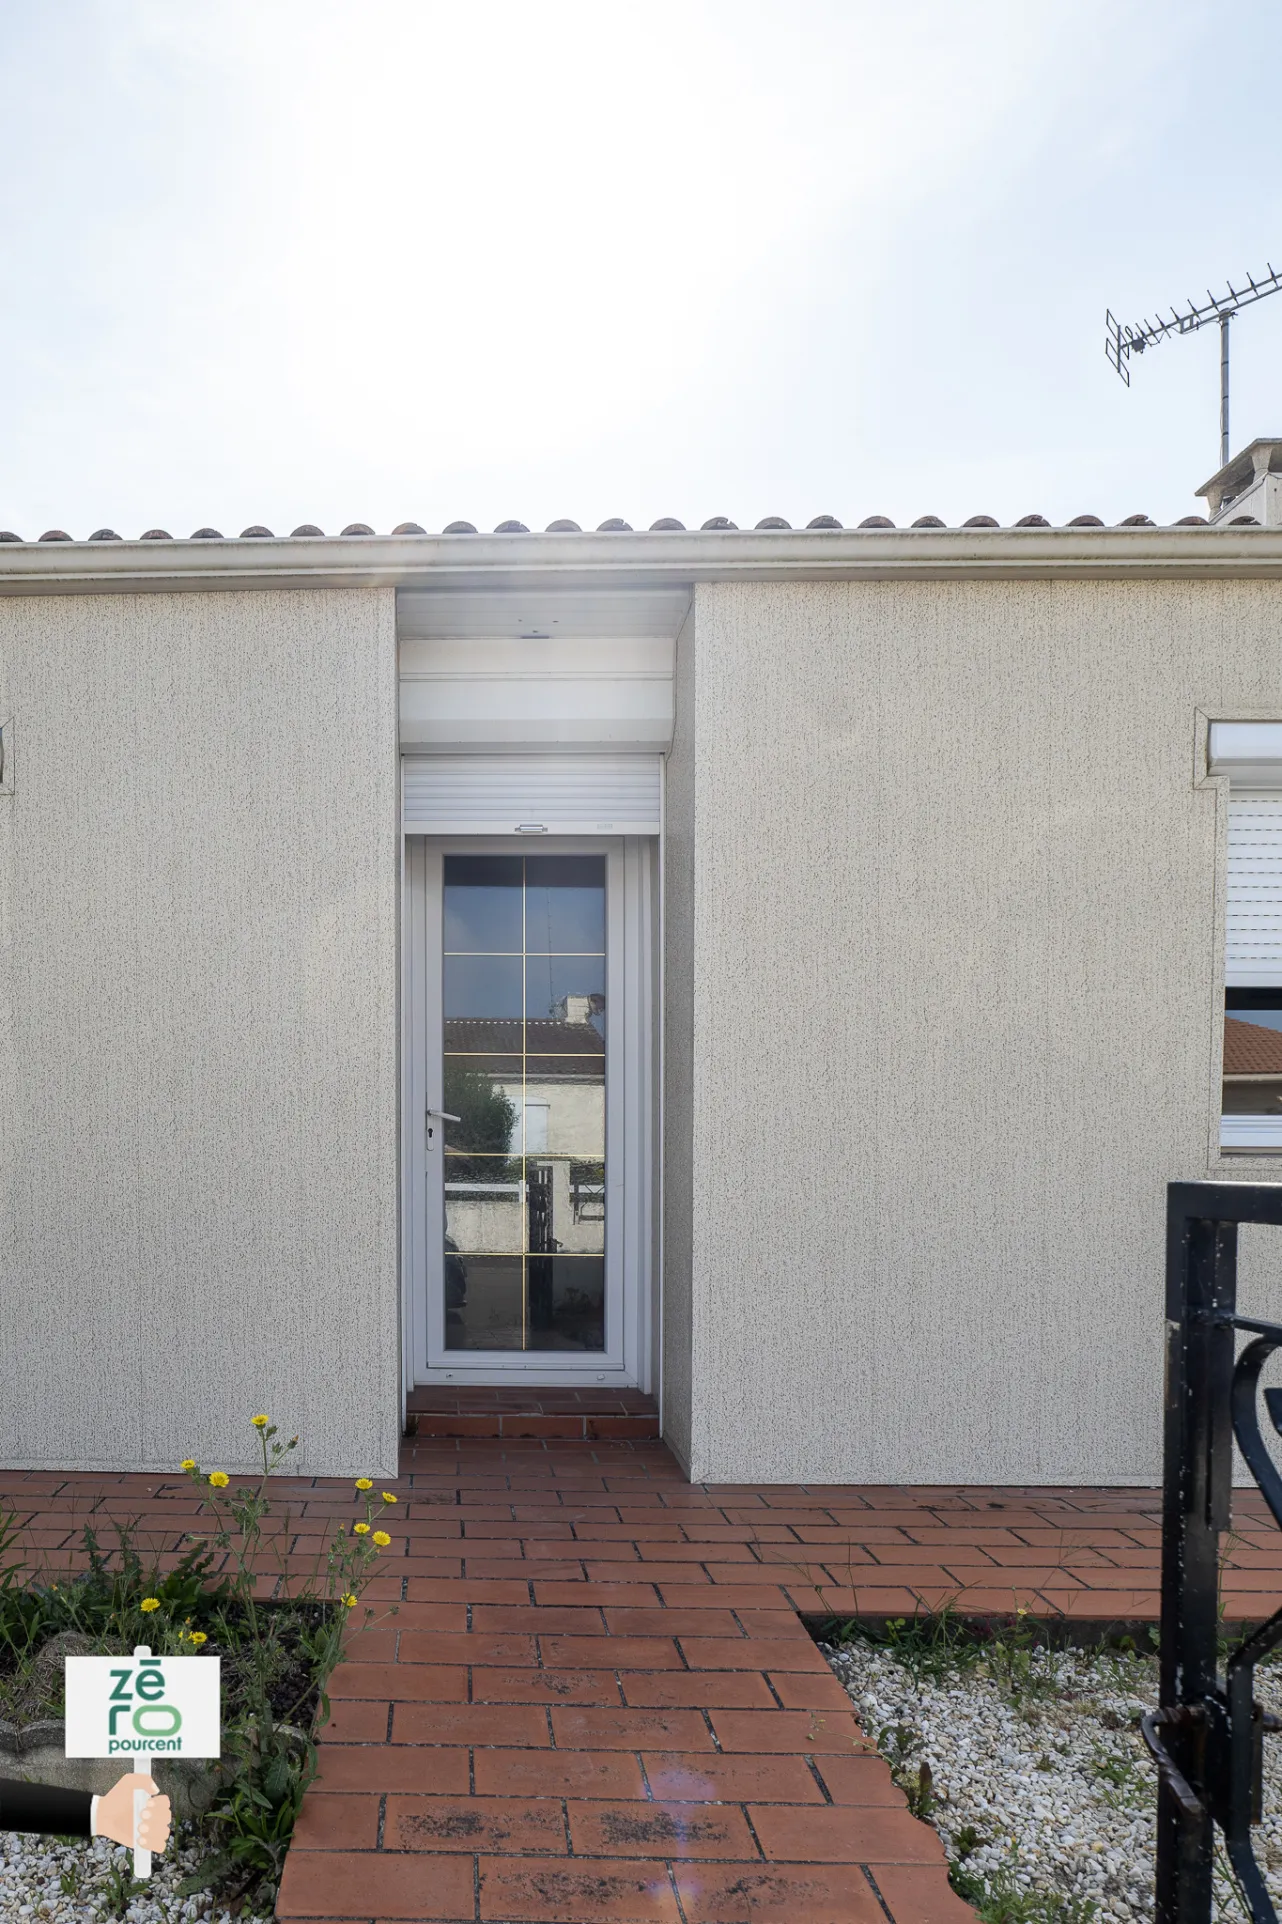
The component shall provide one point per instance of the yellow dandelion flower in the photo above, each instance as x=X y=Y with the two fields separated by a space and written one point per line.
x=149 y=1604
x=361 y=1529
x=260 y=1422
x=382 y=1539
x=198 y=1637
x=364 y=1483
x=188 y=1463
x=388 y=1497
x=219 y=1479
x=350 y=1601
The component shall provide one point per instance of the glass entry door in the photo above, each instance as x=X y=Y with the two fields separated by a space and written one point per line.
x=525 y=1042
x=523 y=1004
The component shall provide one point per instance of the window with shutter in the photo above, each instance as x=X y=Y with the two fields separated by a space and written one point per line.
x=1252 y=1100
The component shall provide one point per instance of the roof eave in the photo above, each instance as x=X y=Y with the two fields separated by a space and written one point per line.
x=629 y=559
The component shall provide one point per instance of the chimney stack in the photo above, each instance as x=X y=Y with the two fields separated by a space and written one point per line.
x=1247 y=489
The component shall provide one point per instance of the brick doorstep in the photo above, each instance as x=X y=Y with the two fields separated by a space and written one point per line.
x=588 y=1696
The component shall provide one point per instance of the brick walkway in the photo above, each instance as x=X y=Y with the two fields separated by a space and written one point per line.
x=596 y=1701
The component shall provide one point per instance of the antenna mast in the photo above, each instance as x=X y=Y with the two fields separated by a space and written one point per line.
x=1121 y=342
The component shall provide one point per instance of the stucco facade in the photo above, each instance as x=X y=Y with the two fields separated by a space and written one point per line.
x=950 y=961
x=942 y=936
x=198 y=1027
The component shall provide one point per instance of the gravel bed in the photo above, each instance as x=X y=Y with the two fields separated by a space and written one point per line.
x=1042 y=1788
x=51 y=1882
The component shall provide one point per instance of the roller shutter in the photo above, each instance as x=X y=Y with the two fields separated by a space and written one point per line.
x=560 y=794
x=1254 y=908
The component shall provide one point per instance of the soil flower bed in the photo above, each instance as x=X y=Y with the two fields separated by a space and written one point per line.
x=1029 y=1763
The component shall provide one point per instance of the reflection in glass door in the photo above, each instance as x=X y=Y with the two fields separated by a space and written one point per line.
x=523 y=973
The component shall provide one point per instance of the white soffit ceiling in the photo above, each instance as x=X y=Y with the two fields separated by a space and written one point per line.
x=504 y=614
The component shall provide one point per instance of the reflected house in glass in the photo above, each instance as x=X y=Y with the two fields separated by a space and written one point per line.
x=1253 y=1061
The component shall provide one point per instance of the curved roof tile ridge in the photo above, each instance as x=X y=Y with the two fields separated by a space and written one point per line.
x=715 y=524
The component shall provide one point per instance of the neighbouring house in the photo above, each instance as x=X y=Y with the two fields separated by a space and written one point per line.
x=775 y=969
x=1253 y=1062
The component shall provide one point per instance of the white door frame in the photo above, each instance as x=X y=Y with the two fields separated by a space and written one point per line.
x=629 y=1359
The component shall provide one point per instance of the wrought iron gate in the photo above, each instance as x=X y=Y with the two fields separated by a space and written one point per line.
x=1208 y=1734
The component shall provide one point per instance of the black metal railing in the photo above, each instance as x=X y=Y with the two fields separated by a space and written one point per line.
x=1207 y=1735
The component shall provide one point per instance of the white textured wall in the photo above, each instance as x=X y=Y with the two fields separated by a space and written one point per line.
x=198 y=1036
x=942 y=978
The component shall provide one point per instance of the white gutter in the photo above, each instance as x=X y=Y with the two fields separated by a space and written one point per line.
x=527 y=561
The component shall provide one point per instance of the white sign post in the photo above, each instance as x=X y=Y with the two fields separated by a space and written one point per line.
x=140 y=1707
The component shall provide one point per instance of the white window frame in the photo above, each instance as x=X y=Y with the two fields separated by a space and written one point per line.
x=629 y=1359
x=1247 y=755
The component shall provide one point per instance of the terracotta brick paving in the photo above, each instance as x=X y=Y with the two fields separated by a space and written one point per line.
x=596 y=1700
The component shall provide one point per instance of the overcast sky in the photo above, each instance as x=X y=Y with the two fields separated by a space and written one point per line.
x=293 y=261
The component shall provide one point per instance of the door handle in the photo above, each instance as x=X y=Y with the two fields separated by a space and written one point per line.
x=441 y=1115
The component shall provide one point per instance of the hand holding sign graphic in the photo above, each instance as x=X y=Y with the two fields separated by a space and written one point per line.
x=114 y=1814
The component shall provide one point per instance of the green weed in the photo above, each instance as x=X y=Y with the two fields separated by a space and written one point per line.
x=1017 y=1659
x=1124 y=1782
x=119 y=1887
x=930 y=1647
x=999 y=1899
x=899 y=1744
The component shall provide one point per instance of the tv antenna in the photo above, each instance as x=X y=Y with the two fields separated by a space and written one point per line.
x=1121 y=342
